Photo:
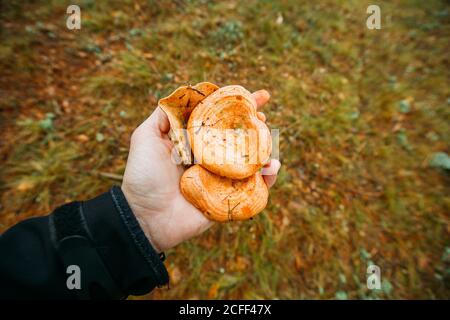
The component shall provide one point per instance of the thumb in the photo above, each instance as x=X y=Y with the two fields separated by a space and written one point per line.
x=158 y=122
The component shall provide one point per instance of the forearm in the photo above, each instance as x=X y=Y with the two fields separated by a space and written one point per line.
x=100 y=236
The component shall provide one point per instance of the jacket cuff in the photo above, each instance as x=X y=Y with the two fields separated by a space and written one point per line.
x=128 y=255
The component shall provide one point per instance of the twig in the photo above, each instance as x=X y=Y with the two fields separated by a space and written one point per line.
x=109 y=175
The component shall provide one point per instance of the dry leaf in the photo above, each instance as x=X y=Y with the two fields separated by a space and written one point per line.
x=25 y=185
x=213 y=291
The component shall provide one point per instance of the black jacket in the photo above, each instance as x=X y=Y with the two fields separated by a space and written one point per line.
x=100 y=237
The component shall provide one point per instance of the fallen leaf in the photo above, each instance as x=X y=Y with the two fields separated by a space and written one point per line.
x=82 y=138
x=175 y=275
x=25 y=185
x=299 y=263
x=213 y=291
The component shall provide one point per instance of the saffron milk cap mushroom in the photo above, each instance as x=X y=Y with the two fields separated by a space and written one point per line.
x=230 y=144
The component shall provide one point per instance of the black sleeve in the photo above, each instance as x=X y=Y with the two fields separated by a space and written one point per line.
x=100 y=237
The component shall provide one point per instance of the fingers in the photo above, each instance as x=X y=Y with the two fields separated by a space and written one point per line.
x=270 y=171
x=261 y=97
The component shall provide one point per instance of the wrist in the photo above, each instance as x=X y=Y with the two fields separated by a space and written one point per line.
x=146 y=229
x=140 y=213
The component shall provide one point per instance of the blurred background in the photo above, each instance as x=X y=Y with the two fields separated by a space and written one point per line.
x=363 y=116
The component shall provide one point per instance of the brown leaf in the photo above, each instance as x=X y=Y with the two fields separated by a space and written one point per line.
x=82 y=138
x=25 y=185
x=175 y=275
x=213 y=291
x=241 y=264
x=299 y=263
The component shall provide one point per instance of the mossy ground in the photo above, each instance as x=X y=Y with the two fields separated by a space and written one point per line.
x=360 y=113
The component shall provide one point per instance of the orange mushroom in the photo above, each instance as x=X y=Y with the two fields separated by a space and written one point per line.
x=220 y=127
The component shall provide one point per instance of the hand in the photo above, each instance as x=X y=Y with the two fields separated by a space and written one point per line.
x=151 y=183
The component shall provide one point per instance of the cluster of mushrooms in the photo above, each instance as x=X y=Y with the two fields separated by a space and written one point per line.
x=201 y=118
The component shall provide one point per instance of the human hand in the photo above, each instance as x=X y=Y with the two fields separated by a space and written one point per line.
x=151 y=183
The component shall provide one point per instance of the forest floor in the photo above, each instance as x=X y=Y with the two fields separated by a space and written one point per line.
x=363 y=116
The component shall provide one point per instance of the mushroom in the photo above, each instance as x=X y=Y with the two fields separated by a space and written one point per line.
x=230 y=145
x=223 y=199
x=226 y=136
x=178 y=107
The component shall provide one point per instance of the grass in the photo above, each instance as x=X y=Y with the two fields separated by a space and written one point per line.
x=361 y=113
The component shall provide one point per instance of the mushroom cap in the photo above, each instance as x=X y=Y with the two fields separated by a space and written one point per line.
x=178 y=107
x=223 y=199
x=226 y=136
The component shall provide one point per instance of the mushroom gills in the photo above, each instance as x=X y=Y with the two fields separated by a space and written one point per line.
x=178 y=107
